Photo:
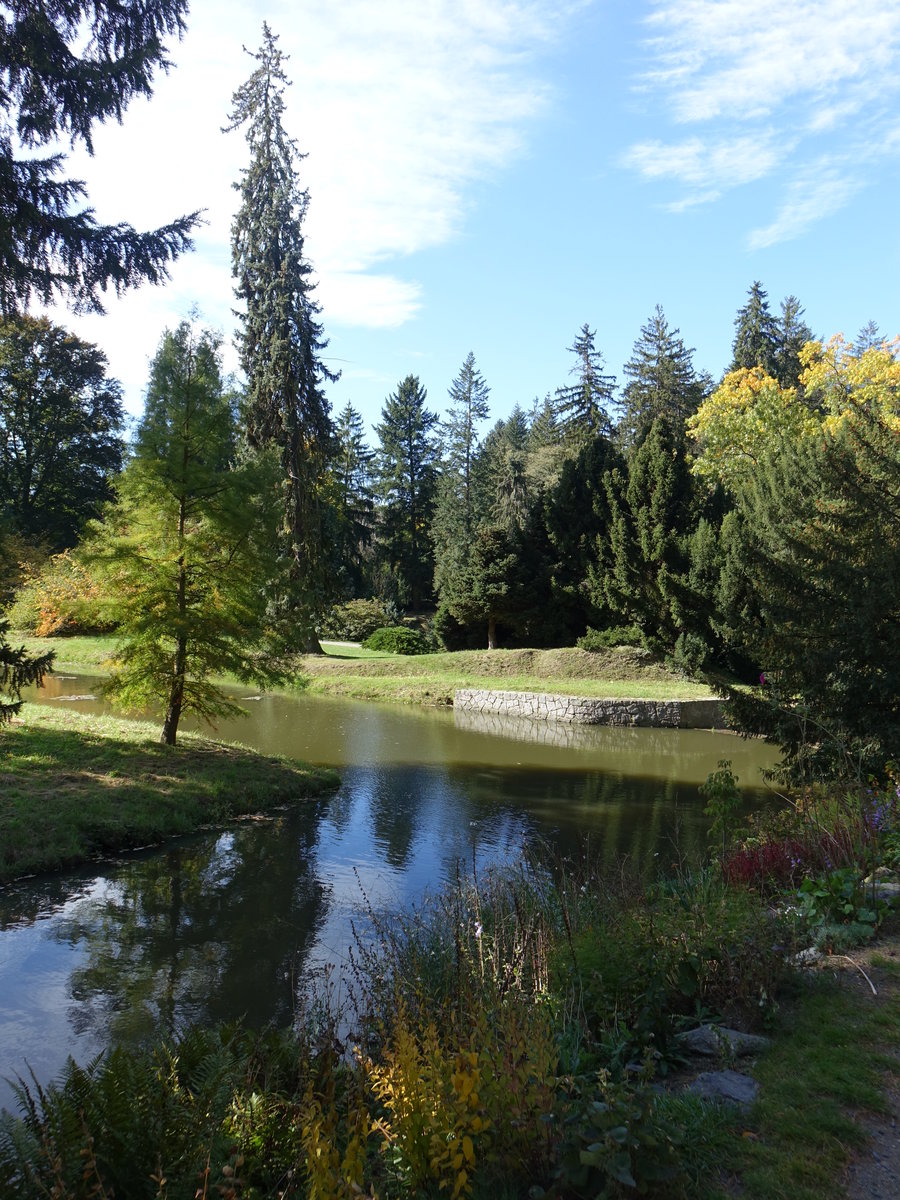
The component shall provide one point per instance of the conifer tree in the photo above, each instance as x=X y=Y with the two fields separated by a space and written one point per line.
x=867 y=338
x=64 y=67
x=468 y=406
x=352 y=470
x=583 y=406
x=407 y=474
x=662 y=382
x=756 y=337
x=793 y=334
x=17 y=670
x=281 y=340
x=189 y=548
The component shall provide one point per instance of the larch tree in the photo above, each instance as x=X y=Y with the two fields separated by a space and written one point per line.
x=65 y=67
x=190 y=546
x=280 y=341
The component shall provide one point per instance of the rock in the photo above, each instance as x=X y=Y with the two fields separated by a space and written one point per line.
x=730 y=1086
x=807 y=958
x=884 y=883
x=712 y=1041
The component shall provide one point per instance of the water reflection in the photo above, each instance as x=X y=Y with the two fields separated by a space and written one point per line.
x=231 y=923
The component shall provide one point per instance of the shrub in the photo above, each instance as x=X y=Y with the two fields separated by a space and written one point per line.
x=606 y=639
x=355 y=620
x=62 y=600
x=395 y=639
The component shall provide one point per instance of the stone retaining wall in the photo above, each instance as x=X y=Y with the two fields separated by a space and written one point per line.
x=582 y=710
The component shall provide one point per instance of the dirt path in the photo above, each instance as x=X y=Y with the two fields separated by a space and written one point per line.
x=875 y=1174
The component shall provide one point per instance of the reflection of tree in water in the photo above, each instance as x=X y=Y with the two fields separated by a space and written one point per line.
x=396 y=808
x=201 y=933
x=651 y=822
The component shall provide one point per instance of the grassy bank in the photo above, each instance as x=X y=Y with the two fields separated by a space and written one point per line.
x=622 y=672
x=73 y=786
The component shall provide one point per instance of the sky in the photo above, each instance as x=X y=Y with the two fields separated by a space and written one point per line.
x=490 y=175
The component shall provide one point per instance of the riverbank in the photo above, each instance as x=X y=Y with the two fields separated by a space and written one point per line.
x=75 y=787
x=622 y=672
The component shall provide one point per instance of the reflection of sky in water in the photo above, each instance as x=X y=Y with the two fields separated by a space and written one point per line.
x=231 y=923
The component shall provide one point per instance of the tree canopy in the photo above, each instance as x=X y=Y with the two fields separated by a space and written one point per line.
x=60 y=431
x=64 y=67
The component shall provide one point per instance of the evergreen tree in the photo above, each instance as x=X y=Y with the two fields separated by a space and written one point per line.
x=793 y=334
x=60 y=431
x=64 y=68
x=867 y=339
x=662 y=382
x=352 y=470
x=544 y=428
x=17 y=670
x=816 y=553
x=490 y=586
x=407 y=474
x=640 y=572
x=468 y=406
x=757 y=337
x=577 y=513
x=189 y=549
x=280 y=341
x=583 y=406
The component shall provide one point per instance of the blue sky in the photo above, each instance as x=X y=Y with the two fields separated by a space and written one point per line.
x=489 y=175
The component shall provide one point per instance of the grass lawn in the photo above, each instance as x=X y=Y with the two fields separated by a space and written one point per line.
x=74 y=786
x=622 y=672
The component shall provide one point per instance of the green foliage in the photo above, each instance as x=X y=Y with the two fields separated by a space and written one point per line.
x=17 y=670
x=583 y=407
x=816 y=550
x=66 y=68
x=354 y=499
x=605 y=639
x=280 y=341
x=723 y=803
x=355 y=620
x=836 y=909
x=60 y=431
x=63 y=599
x=190 y=548
x=407 y=475
x=662 y=382
x=397 y=639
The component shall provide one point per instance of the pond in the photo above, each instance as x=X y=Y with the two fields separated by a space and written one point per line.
x=235 y=922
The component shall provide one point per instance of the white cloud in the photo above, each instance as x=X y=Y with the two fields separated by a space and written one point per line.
x=400 y=107
x=774 y=86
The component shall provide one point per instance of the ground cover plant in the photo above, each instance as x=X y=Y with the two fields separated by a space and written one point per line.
x=76 y=786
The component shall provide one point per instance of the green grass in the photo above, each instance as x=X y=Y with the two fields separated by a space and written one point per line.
x=622 y=672
x=74 y=786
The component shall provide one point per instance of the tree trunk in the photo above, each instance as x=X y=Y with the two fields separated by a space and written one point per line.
x=492 y=632
x=176 y=695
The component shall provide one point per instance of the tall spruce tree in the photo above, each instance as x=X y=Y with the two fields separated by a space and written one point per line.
x=583 y=406
x=756 y=336
x=407 y=473
x=793 y=334
x=64 y=67
x=281 y=340
x=662 y=382
x=354 y=498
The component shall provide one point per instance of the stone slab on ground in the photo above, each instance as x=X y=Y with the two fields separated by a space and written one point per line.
x=730 y=1086
x=713 y=1041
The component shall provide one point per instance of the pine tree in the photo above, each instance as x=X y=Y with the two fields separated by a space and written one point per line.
x=354 y=497
x=662 y=382
x=189 y=549
x=407 y=474
x=756 y=339
x=468 y=406
x=281 y=340
x=63 y=69
x=583 y=406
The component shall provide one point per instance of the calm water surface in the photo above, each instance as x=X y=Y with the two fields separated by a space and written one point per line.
x=235 y=922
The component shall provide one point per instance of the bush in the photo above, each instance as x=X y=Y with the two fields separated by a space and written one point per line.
x=356 y=620
x=62 y=600
x=605 y=639
x=394 y=639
